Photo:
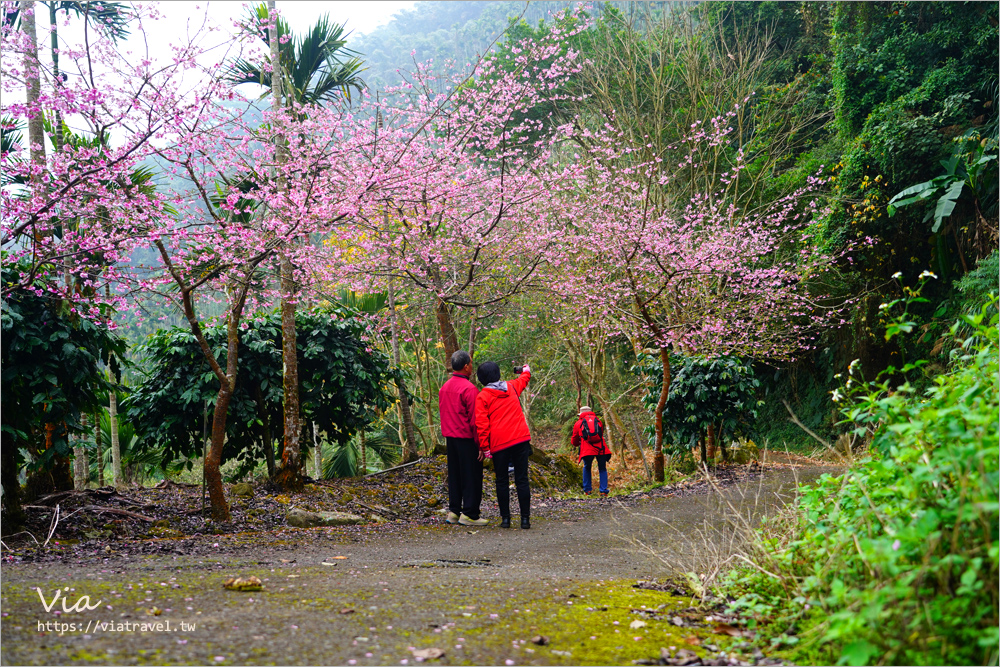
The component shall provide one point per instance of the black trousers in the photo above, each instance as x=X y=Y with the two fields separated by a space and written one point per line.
x=518 y=455
x=465 y=477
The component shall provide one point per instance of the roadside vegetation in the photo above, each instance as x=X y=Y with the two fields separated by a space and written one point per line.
x=896 y=560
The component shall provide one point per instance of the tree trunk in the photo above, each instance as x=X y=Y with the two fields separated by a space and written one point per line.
x=213 y=459
x=363 y=469
x=317 y=453
x=290 y=475
x=13 y=518
x=658 y=415
x=472 y=336
x=446 y=328
x=33 y=92
x=57 y=138
x=99 y=446
x=429 y=408
x=116 y=450
x=579 y=386
x=612 y=414
x=710 y=439
x=267 y=442
x=81 y=466
x=405 y=416
x=236 y=291
x=642 y=454
x=269 y=452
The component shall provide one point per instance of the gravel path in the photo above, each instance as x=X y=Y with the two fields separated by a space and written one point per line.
x=371 y=594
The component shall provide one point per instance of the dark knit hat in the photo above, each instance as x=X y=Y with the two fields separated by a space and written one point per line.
x=488 y=372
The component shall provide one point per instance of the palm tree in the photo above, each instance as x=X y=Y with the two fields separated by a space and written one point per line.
x=316 y=68
x=108 y=18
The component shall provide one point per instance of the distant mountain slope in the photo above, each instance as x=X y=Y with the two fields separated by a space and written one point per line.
x=441 y=31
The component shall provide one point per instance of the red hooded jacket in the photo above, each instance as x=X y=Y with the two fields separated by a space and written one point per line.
x=499 y=418
x=587 y=448
x=456 y=403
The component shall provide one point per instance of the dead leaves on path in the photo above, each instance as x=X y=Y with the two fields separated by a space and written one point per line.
x=244 y=584
x=726 y=629
x=432 y=653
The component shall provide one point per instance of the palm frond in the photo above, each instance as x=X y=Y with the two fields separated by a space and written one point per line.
x=71 y=138
x=245 y=206
x=343 y=460
x=324 y=66
x=318 y=67
x=385 y=451
x=336 y=80
x=243 y=71
x=11 y=143
x=110 y=18
x=340 y=461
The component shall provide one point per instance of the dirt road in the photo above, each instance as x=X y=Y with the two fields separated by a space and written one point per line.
x=375 y=595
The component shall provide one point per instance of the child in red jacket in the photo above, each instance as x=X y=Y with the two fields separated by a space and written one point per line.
x=503 y=433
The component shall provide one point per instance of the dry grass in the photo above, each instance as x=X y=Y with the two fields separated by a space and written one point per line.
x=729 y=533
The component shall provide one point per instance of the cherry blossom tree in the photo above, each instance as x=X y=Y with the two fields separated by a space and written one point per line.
x=74 y=212
x=699 y=277
x=245 y=211
x=218 y=228
x=476 y=206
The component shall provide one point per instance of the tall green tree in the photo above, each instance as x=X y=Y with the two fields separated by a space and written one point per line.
x=316 y=68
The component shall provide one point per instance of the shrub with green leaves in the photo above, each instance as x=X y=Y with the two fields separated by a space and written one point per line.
x=51 y=359
x=704 y=391
x=896 y=561
x=345 y=383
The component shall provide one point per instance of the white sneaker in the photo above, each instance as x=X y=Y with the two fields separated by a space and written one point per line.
x=466 y=521
x=451 y=518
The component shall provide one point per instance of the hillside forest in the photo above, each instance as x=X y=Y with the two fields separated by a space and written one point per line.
x=728 y=227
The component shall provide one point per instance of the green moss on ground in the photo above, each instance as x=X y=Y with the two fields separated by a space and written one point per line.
x=591 y=625
x=492 y=619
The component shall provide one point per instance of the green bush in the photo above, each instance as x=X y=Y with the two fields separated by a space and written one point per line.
x=343 y=386
x=977 y=285
x=896 y=561
x=704 y=391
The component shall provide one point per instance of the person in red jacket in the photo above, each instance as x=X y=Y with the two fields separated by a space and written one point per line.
x=503 y=433
x=588 y=438
x=457 y=403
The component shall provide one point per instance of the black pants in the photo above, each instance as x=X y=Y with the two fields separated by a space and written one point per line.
x=518 y=455
x=465 y=477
